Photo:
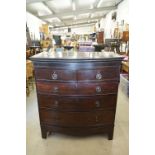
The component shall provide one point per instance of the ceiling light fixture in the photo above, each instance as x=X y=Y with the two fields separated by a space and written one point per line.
x=99 y=3
x=91 y=6
x=73 y=6
x=75 y=18
x=92 y=15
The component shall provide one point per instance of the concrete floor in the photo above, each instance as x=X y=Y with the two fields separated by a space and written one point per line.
x=58 y=144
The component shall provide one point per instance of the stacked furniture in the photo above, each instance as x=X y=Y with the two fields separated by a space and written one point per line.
x=100 y=37
x=77 y=92
x=112 y=44
x=86 y=46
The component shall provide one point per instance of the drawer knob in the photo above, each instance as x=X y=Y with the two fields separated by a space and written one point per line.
x=97 y=103
x=98 y=76
x=56 y=103
x=98 y=89
x=54 y=76
x=55 y=90
x=96 y=118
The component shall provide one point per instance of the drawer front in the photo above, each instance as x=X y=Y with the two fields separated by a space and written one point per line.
x=106 y=73
x=80 y=130
x=57 y=103
x=77 y=103
x=97 y=103
x=56 y=88
x=55 y=75
x=77 y=118
x=97 y=88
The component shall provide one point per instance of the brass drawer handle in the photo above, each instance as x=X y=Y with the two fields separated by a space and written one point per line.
x=55 y=90
x=97 y=103
x=98 y=76
x=54 y=76
x=56 y=103
x=98 y=89
x=96 y=118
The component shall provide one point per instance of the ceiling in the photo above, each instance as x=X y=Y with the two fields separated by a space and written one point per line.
x=64 y=13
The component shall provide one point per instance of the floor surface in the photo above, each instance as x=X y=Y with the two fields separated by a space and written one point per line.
x=58 y=144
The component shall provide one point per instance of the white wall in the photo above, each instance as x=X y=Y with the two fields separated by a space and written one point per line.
x=109 y=25
x=102 y=23
x=123 y=11
x=33 y=24
x=83 y=30
x=77 y=30
x=122 y=14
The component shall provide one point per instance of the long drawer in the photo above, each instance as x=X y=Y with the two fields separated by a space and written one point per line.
x=78 y=119
x=80 y=130
x=77 y=103
x=97 y=74
x=86 y=88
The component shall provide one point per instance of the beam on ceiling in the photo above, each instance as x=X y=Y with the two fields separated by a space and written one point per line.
x=35 y=1
x=52 y=11
x=78 y=12
x=78 y=24
x=82 y=20
x=48 y=7
x=39 y=17
x=75 y=26
x=119 y=2
x=96 y=3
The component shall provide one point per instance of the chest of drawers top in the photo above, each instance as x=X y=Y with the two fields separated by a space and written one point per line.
x=77 y=66
x=74 y=62
x=75 y=56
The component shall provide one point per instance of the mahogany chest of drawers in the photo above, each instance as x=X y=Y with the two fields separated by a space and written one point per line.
x=77 y=91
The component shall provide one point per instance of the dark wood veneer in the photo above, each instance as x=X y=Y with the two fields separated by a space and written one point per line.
x=77 y=92
x=62 y=75
x=77 y=103
x=76 y=119
x=102 y=74
x=86 y=88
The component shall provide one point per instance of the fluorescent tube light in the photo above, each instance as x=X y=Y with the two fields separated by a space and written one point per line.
x=91 y=6
x=92 y=15
x=73 y=6
x=75 y=18
x=99 y=3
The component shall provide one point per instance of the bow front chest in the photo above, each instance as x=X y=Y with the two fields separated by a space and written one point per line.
x=77 y=91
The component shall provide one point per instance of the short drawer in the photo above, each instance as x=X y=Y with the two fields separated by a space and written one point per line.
x=55 y=74
x=57 y=102
x=77 y=103
x=97 y=103
x=97 y=88
x=56 y=88
x=106 y=73
x=77 y=118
